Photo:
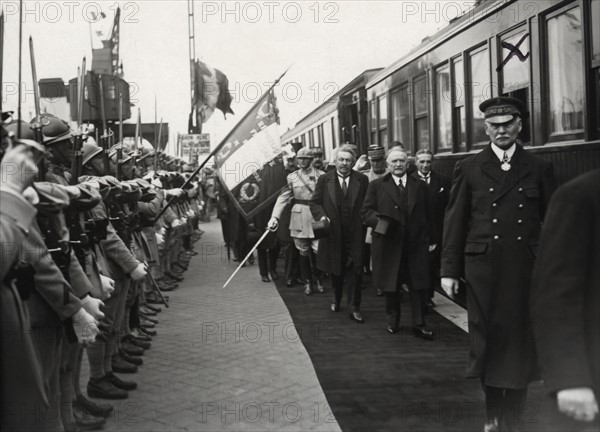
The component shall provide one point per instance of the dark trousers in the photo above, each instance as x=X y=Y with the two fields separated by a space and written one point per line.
x=267 y=261
x=393 y=300
x=291 y=261
x=351 y=278
x=434 y=261
x=504 y=406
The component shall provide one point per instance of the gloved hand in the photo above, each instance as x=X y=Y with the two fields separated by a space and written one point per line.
x=31 y=195
x=85 y=326
x=138 y=273
x=108 y=286
x=73 y=191
x=190 y=213
x=174 y=192
x=176 y=223
x=92 y=306
x=273 y=224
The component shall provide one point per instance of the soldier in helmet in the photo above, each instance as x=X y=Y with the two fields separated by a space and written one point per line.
x=146 y=159
x=300 y=189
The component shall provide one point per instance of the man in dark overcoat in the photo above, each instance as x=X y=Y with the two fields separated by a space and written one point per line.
x=438 y=192
x=338 y=197
x=491 y=232
x=565 y=301
x=397 y=209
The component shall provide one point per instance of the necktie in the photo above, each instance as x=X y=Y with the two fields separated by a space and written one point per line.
x=400 y=186
x=505 y=158
x=344 y=186
x=425 y=179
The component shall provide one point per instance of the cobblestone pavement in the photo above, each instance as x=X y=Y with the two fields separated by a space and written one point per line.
x=224 y=359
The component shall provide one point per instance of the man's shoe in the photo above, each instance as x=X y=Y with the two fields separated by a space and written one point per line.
x=139 y=335
x=119 y=383
x=265 y=279
x=289 y=283
x=274 y=275
x=85 y=420
x=156 y=309
x=356 y=316
x=132 y=349
x=334 y=307
x=147 y=330
x=146 y=324
x=174 y=276
x=307 y=289
x=121 y=366
x=97 y=409
x=156 y=300
x=139 y=343
x=102 y=388
x=131 y=359
x=379 y=293
x=146 y=311
x=423 y=333
x=318 y=286
x=392 y=329
x=153 y=320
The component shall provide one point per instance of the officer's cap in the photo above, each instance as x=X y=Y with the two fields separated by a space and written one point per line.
x=501 y=109
x=376 y=152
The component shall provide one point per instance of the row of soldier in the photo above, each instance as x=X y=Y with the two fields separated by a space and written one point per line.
x=84 y=263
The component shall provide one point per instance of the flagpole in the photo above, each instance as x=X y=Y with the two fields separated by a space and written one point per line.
x=217 y=148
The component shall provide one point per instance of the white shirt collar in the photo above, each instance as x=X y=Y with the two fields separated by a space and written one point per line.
x=397 y=179
x=500 y=153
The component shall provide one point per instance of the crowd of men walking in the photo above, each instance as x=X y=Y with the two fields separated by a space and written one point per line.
x=84 y=263
x=85 y=259
x=423 y=232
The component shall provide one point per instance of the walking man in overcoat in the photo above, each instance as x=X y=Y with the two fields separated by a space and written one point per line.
x=491 y=232
x=397 y=209
x=338 y=197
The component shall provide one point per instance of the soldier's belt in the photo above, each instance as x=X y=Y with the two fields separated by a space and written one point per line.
x=302 y=202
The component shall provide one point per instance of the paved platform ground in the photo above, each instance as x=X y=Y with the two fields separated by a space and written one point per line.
x=224 y=359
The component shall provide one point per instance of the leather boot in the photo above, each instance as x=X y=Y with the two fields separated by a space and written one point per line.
x=119 y=383
x=102 y=388
x=97 y=409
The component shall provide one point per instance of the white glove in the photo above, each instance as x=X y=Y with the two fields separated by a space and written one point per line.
x=175 y=192
x=157 y=183
x=183 y=220
x=176 y=223
x=190 y=213
x=578 y=403
x=450 y=286
x=85 y=326
x=31 y=195
x=92 y=306
x=108 y=286
x=138 y=273
x=273 y=224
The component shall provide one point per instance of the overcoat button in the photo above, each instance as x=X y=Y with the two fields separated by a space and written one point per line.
x=494 y=205
x=496 y=237
x=519 y=238
x=520 y=205
x=520 y=189
x=495 y=221
x=491 y=189
x=520 y=221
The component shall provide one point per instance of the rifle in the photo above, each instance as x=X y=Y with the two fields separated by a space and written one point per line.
x=137 y=142
x=120 y=147
x=157 y=145
x=78 y=137
x=1 y=55
x=104 y=139
x=36 y=126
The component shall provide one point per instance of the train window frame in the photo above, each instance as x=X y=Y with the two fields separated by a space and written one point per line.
x=373 y=120
x=436 y=100
x=403 y=87
x=470 y=109
x=575 y=135
x=420 y=117
x=459 y=106
x=522 y=29
x=382 y=130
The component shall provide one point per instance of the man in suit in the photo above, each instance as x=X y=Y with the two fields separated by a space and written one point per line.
x=397 y=209
x=438 y=190
x=338 y=197
x=491 y=232
x=565 y=301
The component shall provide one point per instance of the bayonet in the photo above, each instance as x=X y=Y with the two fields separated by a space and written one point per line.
x=104 y=139
x=78 y=137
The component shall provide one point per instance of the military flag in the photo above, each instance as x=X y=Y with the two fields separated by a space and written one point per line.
x=250 y=164
x=210 y=92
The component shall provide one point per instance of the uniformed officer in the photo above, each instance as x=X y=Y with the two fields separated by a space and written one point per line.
x=317 y=161
x=492 y=227
x=301 y=186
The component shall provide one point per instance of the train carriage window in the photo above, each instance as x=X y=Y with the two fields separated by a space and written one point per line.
x=400 y=115
x=443 y=108
x=373 y=121
x=383 y=115
x=565 y=78
x=421 y=124
x=480 y=90
x=460 y=116
x=514 y=61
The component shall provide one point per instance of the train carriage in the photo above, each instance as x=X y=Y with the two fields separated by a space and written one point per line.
x=544 y=52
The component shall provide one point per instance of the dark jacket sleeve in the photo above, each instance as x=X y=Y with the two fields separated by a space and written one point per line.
x=316 y=206
x=455 y=225
x=558 y=290
x=368 y=213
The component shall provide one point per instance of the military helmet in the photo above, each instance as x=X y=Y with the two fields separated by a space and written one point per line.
x=112 y=153
x=146 y=150
x=304 y=153
x=89 y=150
x=54 y=129
x=17 y=126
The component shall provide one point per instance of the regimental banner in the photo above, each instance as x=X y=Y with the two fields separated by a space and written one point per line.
x=193 y=145
x=250 y=162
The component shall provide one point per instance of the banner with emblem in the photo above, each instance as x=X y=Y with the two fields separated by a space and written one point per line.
x=250 y=163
